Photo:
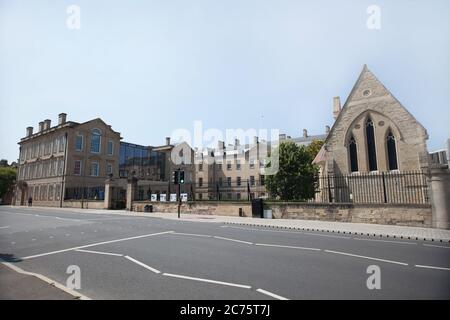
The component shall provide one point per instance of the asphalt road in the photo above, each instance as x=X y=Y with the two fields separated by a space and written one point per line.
x=123 y=257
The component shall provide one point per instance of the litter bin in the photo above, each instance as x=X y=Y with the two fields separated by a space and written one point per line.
x=268 y=214
x=148 y=208
x=257 y=208
x=241 y=213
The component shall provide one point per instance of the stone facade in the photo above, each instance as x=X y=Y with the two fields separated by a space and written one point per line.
x=370 y=100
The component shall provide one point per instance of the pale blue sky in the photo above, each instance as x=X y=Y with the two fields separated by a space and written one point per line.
x=149 y=67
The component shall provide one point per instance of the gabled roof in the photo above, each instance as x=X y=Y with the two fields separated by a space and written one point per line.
x=362 y=76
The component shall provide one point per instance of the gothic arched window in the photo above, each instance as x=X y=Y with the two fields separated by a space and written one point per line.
x=391 y=151
x=371 y=148
x=353 y=154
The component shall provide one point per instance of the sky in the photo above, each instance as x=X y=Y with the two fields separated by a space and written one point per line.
x=148 y=68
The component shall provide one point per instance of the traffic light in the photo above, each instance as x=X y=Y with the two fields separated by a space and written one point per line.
x=175 y=176
x=181 y=180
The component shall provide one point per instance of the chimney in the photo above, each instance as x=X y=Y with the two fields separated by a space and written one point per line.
x=41 y=126
x=47 y=124
x=336 y=107
x=255 y=139
x=327 y=129
x=167 y=141
x=282 y=136
x=305 y=133
x=29 y=131
x=220 y=145
x=62 y=118
x=236 y=142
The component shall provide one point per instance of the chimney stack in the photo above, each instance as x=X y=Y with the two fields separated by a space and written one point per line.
x=305 y=133
x=41 y=126
x=236 y=142
x=167 y=141
x=47 y=124
x=255 y=139
x=220 y=145
x=62 y=118
x=327 y=129
x=336 y=107
x=29 y=131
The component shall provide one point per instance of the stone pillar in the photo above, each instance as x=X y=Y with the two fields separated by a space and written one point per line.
x=439 y=182
x=131 y=192
x=108 y=193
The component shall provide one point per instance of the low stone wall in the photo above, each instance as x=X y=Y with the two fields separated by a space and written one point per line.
x=86 y=204
x=199 y=207
x=390 y=214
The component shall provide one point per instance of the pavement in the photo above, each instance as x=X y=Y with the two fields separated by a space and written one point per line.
x=130 y=255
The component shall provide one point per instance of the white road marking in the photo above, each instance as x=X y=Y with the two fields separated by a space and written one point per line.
x=33 y=239
x=67 y=234
x=5 y=227
x=283 y=246
x=192 y=234
x=142 y=264
x=234 y=240
x=270 y=294
x=99 y=252
x=431 y=267
x=433 y=245
x=41 y=216
x=95 y=244
x=365 y=257
x=13 y=243
x=389 y=241
x=326 y=235
x=51 y=237
x=207 y=280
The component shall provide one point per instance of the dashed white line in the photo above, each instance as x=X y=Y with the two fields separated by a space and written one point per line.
x=270 y=294
x=99 y=252
x=365 y=257
x=5 y=227
x=436 y=246
x=207 y=280
x=192 y=234
x=234 y=240
x=389 y=241
x=431 y=267
x=94 y=244
x=326 y=235
x=283 y=246
x=142 y=264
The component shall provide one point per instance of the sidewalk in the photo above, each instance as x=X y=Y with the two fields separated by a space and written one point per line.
x=375 y=230
x=16 y=284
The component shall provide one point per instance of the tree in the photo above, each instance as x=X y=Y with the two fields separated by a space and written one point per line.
x=7 y=178
x=296 y=176
x=314 y=147
x=3 y=163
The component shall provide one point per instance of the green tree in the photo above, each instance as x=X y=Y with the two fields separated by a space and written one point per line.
x=296 y=176
x=7 y=178
x=314 y=147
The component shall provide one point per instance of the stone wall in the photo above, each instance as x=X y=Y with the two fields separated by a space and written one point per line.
x=199 y=207
x=390 y=214
x=402 y=215
x=86 y=204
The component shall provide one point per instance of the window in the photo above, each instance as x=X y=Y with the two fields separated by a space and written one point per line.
x=239 y=181
x=229 y=181
x=238 y=196
x=62 y=142
x=220 y=181
x=371 y=148
x=50 y=192
x=391 y=151
x=58 y=192
x=96 y=136
x=79 y=143
x=219 y=166
x=60 y=167
x=94 y=169
x=353 y=154
x=109 y=169
x=252 y=164
x=200 y=167
x=229 y=196
x=77 y=168
x=252 y=180
x=238 y=165
x=110 y=148
x=200 y=182
x=228 y=166
x=261 y=179
x=55 y=146
x=200 y=196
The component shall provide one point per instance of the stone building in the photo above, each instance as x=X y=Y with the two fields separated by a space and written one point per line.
x=61 y=161
x=375 y=146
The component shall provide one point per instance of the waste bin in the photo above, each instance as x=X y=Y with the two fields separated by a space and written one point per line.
x=268 y=214
x=148 y=208
x=241 y=213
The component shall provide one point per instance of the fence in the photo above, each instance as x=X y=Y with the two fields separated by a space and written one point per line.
x=386 y=187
